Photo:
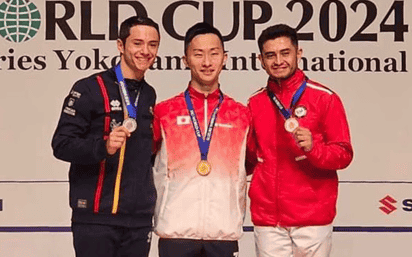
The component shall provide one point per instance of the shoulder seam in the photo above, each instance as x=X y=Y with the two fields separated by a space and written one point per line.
x=257 y=92
x=330 y=92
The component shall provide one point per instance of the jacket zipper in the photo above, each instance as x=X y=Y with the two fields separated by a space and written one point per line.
x=203 y=181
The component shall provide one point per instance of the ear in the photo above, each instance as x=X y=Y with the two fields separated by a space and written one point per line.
x=120 y=46
x=299 y=54
x=260 y=57
x=185 y=61
x=224 y=58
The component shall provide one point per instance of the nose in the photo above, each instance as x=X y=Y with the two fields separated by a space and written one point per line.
x=145 y=49
x=207 y=60
x=278 y=59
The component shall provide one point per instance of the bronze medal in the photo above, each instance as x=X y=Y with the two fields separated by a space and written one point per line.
x=291 y=124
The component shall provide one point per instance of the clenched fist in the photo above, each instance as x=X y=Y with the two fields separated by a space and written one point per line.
x=303 y=138
x=116 y=139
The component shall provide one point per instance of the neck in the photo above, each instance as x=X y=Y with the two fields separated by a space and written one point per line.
x=279 y=81
x=129 y=73
x=203 y=88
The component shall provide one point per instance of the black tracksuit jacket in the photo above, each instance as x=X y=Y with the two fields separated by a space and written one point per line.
x=79 y=139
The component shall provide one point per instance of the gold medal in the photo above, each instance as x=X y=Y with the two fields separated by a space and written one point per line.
x=204 y=168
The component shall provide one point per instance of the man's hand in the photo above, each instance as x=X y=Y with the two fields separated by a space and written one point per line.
x=303 y=137
x=116 y=139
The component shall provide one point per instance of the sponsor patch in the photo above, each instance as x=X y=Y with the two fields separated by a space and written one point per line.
x=116 y=105
x=300 y=158
x=71 y=102
x=115 y=124
x=183 y=120
x=81 y=203
x=75 y=94
x=69 y=111
x=223 y=125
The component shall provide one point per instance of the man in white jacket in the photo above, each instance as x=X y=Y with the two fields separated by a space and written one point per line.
x=200 y=178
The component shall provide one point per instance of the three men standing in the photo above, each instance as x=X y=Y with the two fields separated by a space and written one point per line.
x=298 y=137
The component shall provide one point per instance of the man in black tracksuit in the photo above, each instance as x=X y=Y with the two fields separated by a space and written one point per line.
x=105 y=133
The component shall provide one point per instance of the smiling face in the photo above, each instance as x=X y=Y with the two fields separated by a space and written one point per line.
x=139 y=51
x=280 y=58
x=205 y=57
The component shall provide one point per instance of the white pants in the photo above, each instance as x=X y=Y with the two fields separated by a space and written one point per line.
x=311 y=241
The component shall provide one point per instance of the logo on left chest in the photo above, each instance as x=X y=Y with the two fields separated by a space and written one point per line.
x=300 y=111
x=116 y=105
x=183 y=120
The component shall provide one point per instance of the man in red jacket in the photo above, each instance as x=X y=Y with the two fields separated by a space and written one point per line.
x=299 y=138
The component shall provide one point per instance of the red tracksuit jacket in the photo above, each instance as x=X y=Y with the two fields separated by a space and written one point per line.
x=291 y=187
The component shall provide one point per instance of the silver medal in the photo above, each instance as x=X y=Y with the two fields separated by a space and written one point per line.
x=130 y=124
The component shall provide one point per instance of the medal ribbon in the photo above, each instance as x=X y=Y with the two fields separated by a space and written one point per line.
x=204 y=144
x=131 y=109
x=287 y=112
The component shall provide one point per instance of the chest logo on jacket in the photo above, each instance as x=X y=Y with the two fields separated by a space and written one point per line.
x=301 y=111
x=115 y=104
x=183 y=120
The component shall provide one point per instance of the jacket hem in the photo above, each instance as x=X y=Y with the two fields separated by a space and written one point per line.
x=121 y=220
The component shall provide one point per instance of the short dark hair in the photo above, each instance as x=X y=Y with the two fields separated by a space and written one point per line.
x=200 y=29
x=276 y=31
x=133 y=21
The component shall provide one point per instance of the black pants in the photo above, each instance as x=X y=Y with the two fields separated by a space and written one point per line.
x=110 y=241
x=197 y=248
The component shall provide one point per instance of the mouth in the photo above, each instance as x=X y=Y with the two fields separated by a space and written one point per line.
x=279 y=68
x=207 y=72
x=142 y=60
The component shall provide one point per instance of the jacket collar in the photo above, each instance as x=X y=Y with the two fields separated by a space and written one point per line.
x=289 y=84
x=133 y=84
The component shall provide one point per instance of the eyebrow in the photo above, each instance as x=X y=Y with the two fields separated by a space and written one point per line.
x=141 y=40
x=211 y=49
x=282 y=50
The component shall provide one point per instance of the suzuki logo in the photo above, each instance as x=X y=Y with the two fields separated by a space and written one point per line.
x=388 y=207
